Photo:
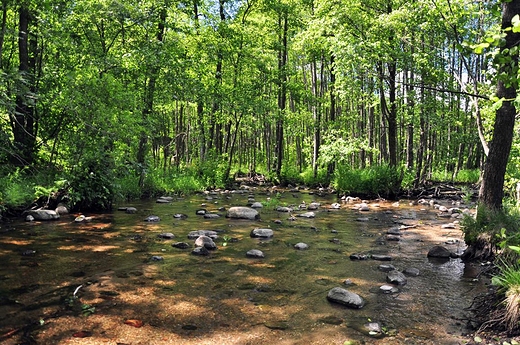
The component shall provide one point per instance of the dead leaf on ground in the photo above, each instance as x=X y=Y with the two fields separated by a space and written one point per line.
x=82 y=334
x=134 y=323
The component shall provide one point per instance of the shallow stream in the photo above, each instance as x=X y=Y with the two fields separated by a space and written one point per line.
x=226 y=297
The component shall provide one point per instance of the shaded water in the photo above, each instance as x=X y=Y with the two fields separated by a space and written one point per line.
x=284 y=292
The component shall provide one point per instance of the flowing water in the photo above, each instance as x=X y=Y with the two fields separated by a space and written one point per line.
x=226 y=297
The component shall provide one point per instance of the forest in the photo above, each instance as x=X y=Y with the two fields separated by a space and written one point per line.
x=107 y=100
x=123 y=99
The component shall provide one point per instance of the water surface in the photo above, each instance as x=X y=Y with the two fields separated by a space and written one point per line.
x=226 y=297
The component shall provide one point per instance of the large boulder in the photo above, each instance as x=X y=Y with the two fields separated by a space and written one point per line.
x=44 y=214
x=242 y=212
x=346 y=298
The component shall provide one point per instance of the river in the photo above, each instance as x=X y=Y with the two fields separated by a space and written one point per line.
x=112 y=280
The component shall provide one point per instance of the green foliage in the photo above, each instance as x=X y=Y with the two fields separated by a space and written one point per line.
x=20 y=188
x=408 y=179
x=91 y=183
x=501 y=226
x=376 y=180
x=508 y=283
x=16 y=191
x=273 y=201
x=338 y=147
x=468 y=176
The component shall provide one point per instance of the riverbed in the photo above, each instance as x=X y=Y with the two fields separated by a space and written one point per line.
x=113 y=280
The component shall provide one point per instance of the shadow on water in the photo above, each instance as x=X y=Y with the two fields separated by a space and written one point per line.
x=51 y=270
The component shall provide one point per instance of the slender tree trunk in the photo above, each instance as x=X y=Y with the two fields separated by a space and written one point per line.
x=23 y=121
x=282 y=91
x=332 y=112
x=492 y=188
x=149 y=93
x=2 y=32
x=316 y=114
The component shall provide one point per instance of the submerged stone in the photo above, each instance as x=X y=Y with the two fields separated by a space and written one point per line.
x=255 y=253
x=242 y=212
x=396 y=277
x=346 y=298
x=262 y=233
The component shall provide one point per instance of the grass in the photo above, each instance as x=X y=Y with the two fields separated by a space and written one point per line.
x=508 y=283
x=375 y=180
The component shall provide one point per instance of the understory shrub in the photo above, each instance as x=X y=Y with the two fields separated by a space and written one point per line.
x=381 y=180
x=468 y=176
x=500 y=226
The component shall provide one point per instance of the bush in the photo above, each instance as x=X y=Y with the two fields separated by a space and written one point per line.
x=500 y=226
x=91 y=184
x=373 y=181
x=468 y=176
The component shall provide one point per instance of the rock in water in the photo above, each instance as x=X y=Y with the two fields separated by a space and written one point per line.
x=206 y=242
x=242 y=212
x=346 y=298
x=255 y=253
x=301 y=246
x=262 y=233
x=152 y=218
x=193 y=235
x=44 y=214
x=396 y=277
x=439 y=252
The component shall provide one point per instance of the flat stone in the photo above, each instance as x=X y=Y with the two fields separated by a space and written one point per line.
x=307 y=215
x=386 y=268
x=211 y=215
x=193 y=235
x=255 y=253
x=206 y=242
x=152 y=219
x=131 y=210
x=201 y=251
x=181 y=245
x=242 y=212
x=44 y=214
x=358 y=256
x=166 y=235
x=439 y=252
x=412 y=271
x=301 y=246
x=381 y=257
x=346 y=298
x=262 y=233
x=396 y=277
x=388 y=289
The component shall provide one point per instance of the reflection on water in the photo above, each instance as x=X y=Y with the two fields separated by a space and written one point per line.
x=288 y=286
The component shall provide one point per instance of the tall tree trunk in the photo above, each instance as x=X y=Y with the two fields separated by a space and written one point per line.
x=492 y=188
x=23 y=121
x=282 y=91
x=149 y=94
x=3 y=27
x=316 y=114
x=332 y=112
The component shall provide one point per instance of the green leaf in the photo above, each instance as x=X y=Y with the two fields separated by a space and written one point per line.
x=515 y=248
x=516 y=23
x=479 y=48
x=477 y=339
